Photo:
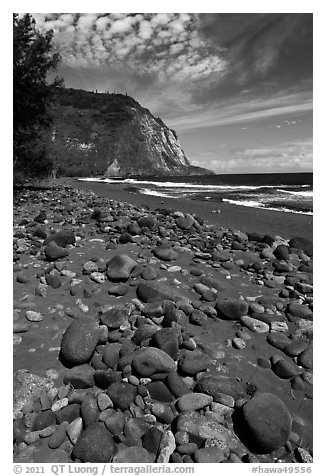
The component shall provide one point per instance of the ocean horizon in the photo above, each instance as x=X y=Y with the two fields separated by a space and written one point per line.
x=285 y=192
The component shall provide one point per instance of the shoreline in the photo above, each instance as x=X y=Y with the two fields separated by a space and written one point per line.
x=234 y=217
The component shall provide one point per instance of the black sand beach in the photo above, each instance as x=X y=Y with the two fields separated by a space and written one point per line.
x=159 y=337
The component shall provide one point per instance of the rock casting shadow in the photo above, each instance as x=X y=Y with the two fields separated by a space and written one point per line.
x=240 y=430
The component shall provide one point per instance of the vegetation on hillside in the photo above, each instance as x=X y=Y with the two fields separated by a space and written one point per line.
x=33 y=59
x=93 y=131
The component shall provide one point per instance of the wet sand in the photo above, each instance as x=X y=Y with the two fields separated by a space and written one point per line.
x=231 y=216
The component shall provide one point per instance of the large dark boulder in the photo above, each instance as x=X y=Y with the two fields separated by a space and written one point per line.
x=149 y=360
x=194 y=362
x=41 y=217
x=111 y=354
x=151 y=440
x=144 y=331
x=185 y=223
x=215 y=384
x=115 y=317
x=165 y=254
x=122 y=394
x=68 y=413
x=125 y=237
x=166 y=340
x=281 y=252
x=151 y=291
x=134 y=229
x=158 y=391
x=306 y=358
x=232 y=309
x=89 y=411
x=286 y=369
x=81 y=376
x=299 y=310
x=120 y=267
x=43 y=420
x=40 y=232
x=146 y=221
x=95 y=445
x=79 y=341
x=176 y=384
x=53 y=252
x=267 y=421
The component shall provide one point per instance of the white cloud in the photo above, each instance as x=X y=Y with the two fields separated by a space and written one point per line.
x=283 y=158
x=161 y=44
x=177 y=26
x=67 y=18
x=122 y=26
x=85 y=21
x=161 y=19
x=145 y=30
x=277 y=157
x=102 y=23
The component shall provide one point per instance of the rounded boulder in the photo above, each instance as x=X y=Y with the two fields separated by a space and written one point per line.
x=120 y=267
x=95 y=445
x=149 y=360
x=194 y=401
x=232 y=309
x=267 y=421
x=79 y=341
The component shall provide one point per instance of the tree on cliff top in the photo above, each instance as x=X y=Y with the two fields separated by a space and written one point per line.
x=33 y=59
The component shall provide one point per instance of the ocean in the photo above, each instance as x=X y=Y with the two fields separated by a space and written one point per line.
x=289 y=193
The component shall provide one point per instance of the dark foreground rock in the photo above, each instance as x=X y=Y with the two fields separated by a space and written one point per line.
x=79 y=341
x=267 y=421
x=119 y=268
x=95 y=445
x=154 y=292
x=150 y=360
x=53 y=252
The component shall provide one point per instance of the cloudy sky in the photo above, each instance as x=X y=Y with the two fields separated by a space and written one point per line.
x=237 y=87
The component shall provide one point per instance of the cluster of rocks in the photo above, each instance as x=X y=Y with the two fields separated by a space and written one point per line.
x=195 y=344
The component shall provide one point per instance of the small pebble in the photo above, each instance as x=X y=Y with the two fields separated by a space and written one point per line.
x=133 y=380
x=104 y=401
x=238 y=343
x=59 y=404
x=34 y=316
x=74 y=430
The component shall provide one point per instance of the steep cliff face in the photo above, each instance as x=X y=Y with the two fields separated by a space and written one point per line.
x=112 y=135
x=143 y=146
